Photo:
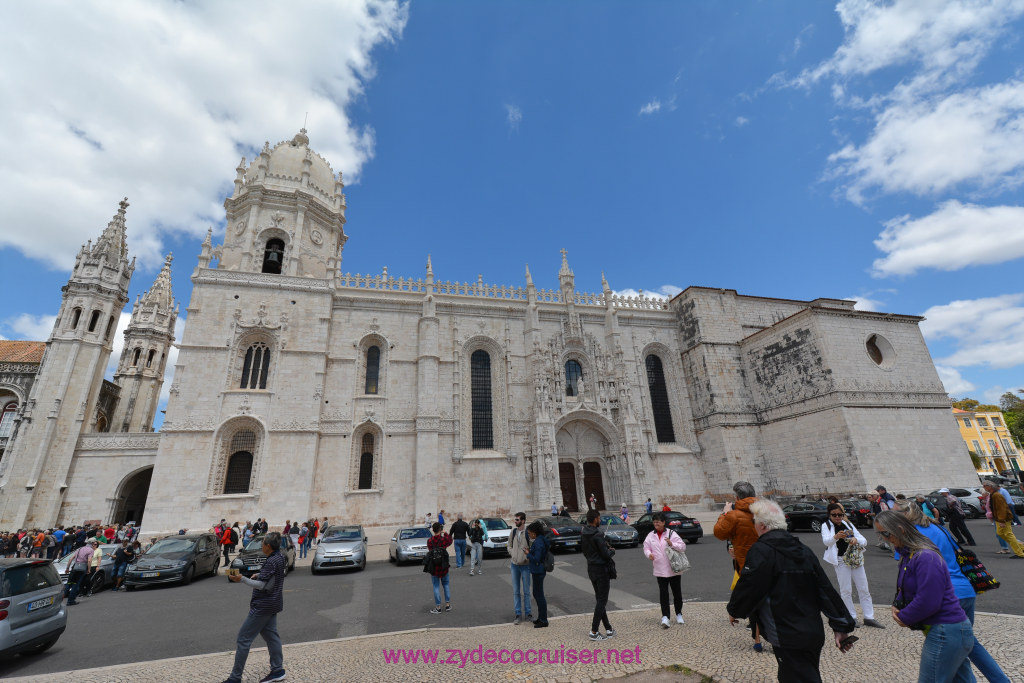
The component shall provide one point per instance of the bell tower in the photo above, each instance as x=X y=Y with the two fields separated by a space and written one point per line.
x=286 y=215
x=34 y=471
x=140 y=372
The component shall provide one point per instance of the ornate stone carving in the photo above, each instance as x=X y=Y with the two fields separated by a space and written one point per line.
x=316 y=237
x=148 y=441
x=240 y=227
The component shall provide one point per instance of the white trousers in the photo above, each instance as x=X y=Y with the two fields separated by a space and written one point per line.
x=847 y=578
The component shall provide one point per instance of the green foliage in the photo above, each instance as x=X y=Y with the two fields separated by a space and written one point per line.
x=1010 y=401
x=970 y=405
x=975 y=459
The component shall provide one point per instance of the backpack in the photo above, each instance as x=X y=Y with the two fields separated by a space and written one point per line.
x=436 y=558
x=549 y=561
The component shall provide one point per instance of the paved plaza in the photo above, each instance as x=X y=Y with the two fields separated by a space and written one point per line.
x=706 y=644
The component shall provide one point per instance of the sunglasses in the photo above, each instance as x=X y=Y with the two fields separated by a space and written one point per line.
x=837 y=514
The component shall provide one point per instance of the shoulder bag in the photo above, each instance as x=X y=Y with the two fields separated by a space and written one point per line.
x=676 y=558
x=971 y=567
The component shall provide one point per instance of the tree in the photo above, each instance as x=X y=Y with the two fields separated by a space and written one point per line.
x=972 y=406
x=1009 y=401
x=975 y=459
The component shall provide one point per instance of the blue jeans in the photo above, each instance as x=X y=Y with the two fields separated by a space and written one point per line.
x=302 y=548
x=538 y=595
x=521 y=588
x=460 y=552
x=945 y=652
x=439 y=581
x=257 y=624
x=979 y=655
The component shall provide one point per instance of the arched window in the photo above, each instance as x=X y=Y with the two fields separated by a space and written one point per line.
x=135 y=357
x=256 y=367
x=483 y=422
x=573 y=374
x=7 y=419
x=273 y=257
x=101 y=424
x=93 y=320
x=659 y=400
x=149 y=358
x=372 y=370
x=76 y=316
x=239 y=470
x=110 y=328
x=366 y=463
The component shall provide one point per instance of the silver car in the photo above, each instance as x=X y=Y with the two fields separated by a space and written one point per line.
x=104 y=578
x=409 y=544
x=32 y=605
x=341 y=546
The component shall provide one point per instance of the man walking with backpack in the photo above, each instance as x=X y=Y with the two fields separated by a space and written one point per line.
x=518 y=545
x=437 y=565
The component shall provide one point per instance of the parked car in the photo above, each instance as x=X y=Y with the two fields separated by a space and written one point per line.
x=175 y=559
x=566 y=534
x=32 y=612
x=104 y=578
x=249 y=560
x=857 y=511
x=341 y=546
x=409 y=544
x=806 y=515
x=970 y=498
x=496 y=532
x=1017 y=494
x=687 y=527
x=617 y=532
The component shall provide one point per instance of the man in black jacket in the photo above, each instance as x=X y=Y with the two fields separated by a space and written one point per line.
x=783 y=584
x=600 y=569
x=459 y=531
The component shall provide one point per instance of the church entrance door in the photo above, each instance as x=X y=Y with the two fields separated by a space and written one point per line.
x=593 y=483
x=133 y=494
x=567 y=479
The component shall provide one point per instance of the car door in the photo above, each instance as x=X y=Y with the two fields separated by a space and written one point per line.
x=206 y=554
x=802 y=517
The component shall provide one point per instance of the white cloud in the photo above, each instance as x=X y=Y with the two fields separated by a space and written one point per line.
x=927 y=145
x=663 y=292
x=651 y=107
x=741 y=121
x=159 y=100
x=172 y=358
x=514 y=116
x=937 y=36
x=987 y=331
x=31 y=327
x=954 y=384
x=993 y=394
x=863 y=303
x=955 y=236
x=118 y=342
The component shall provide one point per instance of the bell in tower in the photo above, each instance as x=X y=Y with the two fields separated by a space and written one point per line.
x=273 y=257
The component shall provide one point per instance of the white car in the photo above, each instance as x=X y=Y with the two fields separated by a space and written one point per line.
x=496 y=532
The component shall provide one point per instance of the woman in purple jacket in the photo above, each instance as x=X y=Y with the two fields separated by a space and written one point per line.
x=925 y=601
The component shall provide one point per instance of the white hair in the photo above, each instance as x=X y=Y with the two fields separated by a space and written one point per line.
x=768 y=513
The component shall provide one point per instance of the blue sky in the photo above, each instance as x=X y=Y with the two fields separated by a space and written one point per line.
x=861 y=150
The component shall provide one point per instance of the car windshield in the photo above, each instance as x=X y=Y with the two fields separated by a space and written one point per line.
x=1015 y=491
x=495 y=523
x=346 y=534
x=171 y=545
x=413 y=533
x=612 y=521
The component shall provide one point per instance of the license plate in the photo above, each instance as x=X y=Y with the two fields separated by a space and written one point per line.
x=687 y=523
x=253 y=569
x=150 y=575
x=568 y=543
x=39 y=604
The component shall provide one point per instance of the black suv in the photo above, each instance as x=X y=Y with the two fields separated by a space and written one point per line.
x=175 y=559
x=687 y=527
x=565 y=533
x=250 y=559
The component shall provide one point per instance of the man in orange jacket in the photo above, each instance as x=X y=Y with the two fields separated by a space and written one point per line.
x=736 y=525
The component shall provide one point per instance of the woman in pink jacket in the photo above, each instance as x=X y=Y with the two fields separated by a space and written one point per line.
x=654 y=549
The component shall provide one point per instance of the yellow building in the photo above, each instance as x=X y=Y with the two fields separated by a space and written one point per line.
x=986 y=434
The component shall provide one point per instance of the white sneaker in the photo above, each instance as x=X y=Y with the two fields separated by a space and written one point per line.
x=679 y=619
x=664 y=622
x=471 y=572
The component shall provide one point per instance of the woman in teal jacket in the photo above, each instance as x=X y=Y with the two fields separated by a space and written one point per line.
x=538 y=551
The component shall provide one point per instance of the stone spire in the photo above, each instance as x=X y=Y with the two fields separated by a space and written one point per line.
x=112 y=244
x=566 y=277
x=160 y=293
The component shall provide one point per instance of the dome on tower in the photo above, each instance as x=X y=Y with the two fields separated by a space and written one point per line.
x=285 y=163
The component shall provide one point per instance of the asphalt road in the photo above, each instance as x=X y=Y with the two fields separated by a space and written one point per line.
x=171 y=621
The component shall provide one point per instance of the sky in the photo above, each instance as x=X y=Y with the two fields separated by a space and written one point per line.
x=862 y=150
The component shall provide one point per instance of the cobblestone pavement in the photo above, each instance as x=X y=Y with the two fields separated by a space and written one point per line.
x=706 y=644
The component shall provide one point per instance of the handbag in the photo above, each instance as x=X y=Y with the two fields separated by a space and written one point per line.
x=971 y=567
x=676 y=558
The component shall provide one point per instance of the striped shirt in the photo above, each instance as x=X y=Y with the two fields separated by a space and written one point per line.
x=270 y=600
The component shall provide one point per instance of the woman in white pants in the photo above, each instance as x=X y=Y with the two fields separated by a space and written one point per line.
x=844 y=547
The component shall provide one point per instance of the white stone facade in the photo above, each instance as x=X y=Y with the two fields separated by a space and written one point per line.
x=276 y=410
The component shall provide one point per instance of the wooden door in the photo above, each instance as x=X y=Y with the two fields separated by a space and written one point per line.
x=593 y=483
x=567 y=480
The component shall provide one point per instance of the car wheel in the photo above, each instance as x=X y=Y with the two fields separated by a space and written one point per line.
x=313 y=570
x=42 y=647
x=362 y=566
x=216 y=567
x=129 y=588
x=815 y=525
x=695 y=540
x=391 y=558
x=186 y=577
